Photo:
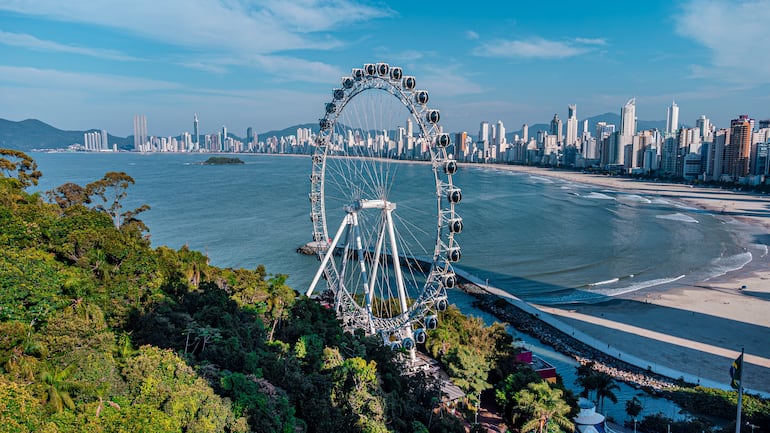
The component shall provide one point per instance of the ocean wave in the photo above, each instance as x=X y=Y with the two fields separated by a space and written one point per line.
x=617 y=291
x=661 y=201
x=677 y=217
x=687 y=207
x=599 y=196
x=592 y=295
x=633 y=198
x=605 y=282
x=724 y=265
x=543 y=180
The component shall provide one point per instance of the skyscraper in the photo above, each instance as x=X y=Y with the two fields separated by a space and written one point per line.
x=737 y=152
x=704 y=125
x=501 y=134
x=556 y=128
x=672 y=118
x=572 y=125
x=105 y=140
x=484 y=137
x=628 y=118
x=140 y=132
x=627 y=130
x=196 y=138
x=525 y=133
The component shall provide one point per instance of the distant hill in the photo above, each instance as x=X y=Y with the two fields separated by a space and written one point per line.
x=33 y=134
x=291 y=130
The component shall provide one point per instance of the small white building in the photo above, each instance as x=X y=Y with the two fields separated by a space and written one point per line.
x=588 y=420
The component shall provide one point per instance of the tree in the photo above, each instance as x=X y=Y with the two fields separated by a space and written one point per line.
x=111 y=189
x=506 y=390
x=468 y=370
x=356 y=389
x=58 y=388
x=633 y=407
x=586 y=378
x=605 y=385
x=17 y=164
x=68 y=195
x=541 y=404
x=279 y=301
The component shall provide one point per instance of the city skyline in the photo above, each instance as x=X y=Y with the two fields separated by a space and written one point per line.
x=274 y=64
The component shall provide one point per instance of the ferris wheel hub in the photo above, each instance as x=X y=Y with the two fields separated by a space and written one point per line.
x=374 y=204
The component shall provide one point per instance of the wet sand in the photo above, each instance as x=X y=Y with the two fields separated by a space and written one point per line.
x=699 y=329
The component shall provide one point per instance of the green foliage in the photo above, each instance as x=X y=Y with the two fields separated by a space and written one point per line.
x=20 y=411
x=542 y=408
x=474 y=355
x=506 y=390
x=719 y=403
x=111 y=190
x=599 y=382
x=19 y=166
x=221 y=350
x=265 y=405
x=469 y=369
x=162 y=380
x=633 y=407
x=31 y=282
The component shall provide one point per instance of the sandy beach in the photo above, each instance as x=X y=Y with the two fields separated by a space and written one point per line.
x=700 y=329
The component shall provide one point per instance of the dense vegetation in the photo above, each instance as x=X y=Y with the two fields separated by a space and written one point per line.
x=100 y=332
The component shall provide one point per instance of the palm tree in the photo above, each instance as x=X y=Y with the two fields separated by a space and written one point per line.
x=57 y=388
x=605 y=385
x=542 y=404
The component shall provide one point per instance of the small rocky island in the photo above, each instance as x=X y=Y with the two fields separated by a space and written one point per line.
x=222 y=160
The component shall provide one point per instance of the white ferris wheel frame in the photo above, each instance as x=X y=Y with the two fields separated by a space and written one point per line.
x=410 y=325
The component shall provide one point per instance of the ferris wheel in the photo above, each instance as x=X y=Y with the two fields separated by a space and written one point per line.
x=383 y=206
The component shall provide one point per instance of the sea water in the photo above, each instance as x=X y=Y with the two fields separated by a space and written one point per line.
x=543 y=239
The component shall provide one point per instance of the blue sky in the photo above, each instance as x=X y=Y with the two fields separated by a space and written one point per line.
x=269 y=64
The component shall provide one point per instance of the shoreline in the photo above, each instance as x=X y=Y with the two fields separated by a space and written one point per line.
x=696 y=329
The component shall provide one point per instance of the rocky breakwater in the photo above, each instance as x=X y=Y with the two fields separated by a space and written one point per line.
x=532 y=325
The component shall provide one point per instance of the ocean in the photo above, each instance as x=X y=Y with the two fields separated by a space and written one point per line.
x=545 y=240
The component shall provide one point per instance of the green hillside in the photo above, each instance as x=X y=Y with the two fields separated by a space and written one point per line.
x=31 y=134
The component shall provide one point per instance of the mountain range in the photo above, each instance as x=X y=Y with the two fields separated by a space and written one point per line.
x=31 y=134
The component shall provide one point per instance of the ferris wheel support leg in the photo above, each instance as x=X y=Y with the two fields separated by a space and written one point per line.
x=396 y=263
x=375 y=266
x=328 y=255
x=362 y=266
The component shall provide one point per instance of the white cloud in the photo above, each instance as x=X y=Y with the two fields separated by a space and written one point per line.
x=735 y=33
x=248 y=29
x=232 y=26
x=317 y=15
x=591 y=41
x=537 y=48
x=31 y=42
x=470 y=34
x=94 y=83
